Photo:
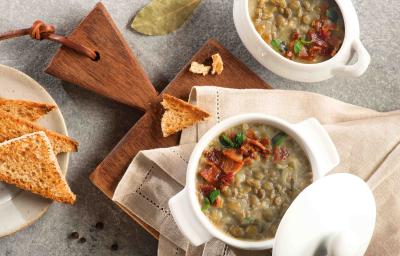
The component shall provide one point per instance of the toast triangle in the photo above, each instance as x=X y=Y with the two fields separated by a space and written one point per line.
x=25 y=109
x=29 y=163
x=179 y=115
x=13 y=127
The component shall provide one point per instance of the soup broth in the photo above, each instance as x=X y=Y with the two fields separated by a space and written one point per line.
x=247 y=178
x=307 y=31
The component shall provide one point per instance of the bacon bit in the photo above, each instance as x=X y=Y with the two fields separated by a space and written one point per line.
x=277 y=155
x=257 y=144
x=251 y=134
x=247 y=150
x=315 y=50
x=317 y=24
x=226 y=178
x=218 y=202
x=318 y=41
x=266 y=154
x=206 y=189
x=295 y=36
x=280 y=154
x=233 y=155
x=289 y=54
x=284 y=153
x=210 y=174
x=264 y=141
x=248 y=161
x=214 y=157
x=229 y=165
x=303 y=53
x=326 y=31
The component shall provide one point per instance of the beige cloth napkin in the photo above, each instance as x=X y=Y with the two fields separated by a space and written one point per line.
x=367 y=142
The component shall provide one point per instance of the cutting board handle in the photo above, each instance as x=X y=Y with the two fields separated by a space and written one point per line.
x=116 y=75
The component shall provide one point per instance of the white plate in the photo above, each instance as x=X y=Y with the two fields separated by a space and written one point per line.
x=19 y=209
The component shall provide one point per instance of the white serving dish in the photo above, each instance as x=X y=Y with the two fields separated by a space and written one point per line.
x=336 y=213
x=337 y=65
x=322 y=155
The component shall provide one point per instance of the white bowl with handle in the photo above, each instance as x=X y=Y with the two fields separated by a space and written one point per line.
x=335 y=66
x=185 y=208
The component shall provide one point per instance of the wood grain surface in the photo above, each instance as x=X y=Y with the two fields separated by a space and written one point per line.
x=119 y=76
x=116 y=75
x=148 y=128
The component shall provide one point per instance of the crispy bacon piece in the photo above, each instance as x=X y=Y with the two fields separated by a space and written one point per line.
x=289 y=54
x=214 y=157
x=228 y=165
x=284 y=153
x=315 y=50
x=233 y=154
x=280 y=154
x=257 y=144
x=303 y=53
x=217 y=158
x=277 y=154
x=251 y=134
x=295 y=35
x=316 y=40
x=226 y=178
x=264 y=141
x=206 y=189
x=248 y=161
x=247 y=150
x=210 y=174
x=218 y=202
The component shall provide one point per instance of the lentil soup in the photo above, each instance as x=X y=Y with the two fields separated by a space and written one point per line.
x=247 y=178
x=306 y=31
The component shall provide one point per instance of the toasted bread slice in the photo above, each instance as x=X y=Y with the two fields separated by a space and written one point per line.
x=179 y=115
x=13 y=127
x=24 y=109
x=29 y=163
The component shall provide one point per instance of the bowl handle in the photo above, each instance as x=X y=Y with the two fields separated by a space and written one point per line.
x=186 y=220
x=321 y=145
x=358 y=68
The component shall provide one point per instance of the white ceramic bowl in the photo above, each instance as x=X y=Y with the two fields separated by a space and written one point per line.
x=185 y=207
x=337 y=65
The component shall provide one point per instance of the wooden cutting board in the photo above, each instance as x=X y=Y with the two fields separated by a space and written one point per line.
x=118 y=75
x=235 y=75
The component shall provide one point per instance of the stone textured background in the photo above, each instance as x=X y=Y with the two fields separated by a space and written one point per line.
x=99 y=123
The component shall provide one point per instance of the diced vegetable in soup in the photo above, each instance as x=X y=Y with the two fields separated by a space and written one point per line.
x=247 y=178
x=307 y=31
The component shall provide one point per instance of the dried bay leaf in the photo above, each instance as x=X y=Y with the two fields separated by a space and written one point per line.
x=161 y=17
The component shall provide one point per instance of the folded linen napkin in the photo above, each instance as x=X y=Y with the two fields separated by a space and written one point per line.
x=366 y=140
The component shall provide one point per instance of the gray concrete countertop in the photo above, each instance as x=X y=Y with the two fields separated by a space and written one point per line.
x=99 y=123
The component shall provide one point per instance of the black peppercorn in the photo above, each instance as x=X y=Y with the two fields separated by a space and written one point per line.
x=114 y=247
x=82 y=240
x=74 y=235
x=99 y=225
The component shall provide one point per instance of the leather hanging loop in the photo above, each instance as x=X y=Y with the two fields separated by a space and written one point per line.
x=40 y=30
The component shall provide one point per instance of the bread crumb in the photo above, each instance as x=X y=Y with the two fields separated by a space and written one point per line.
x=217 y=64
x=198 y=68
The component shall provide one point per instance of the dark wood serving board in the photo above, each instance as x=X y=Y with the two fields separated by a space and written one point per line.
x=119 y=76
x=235 y=75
